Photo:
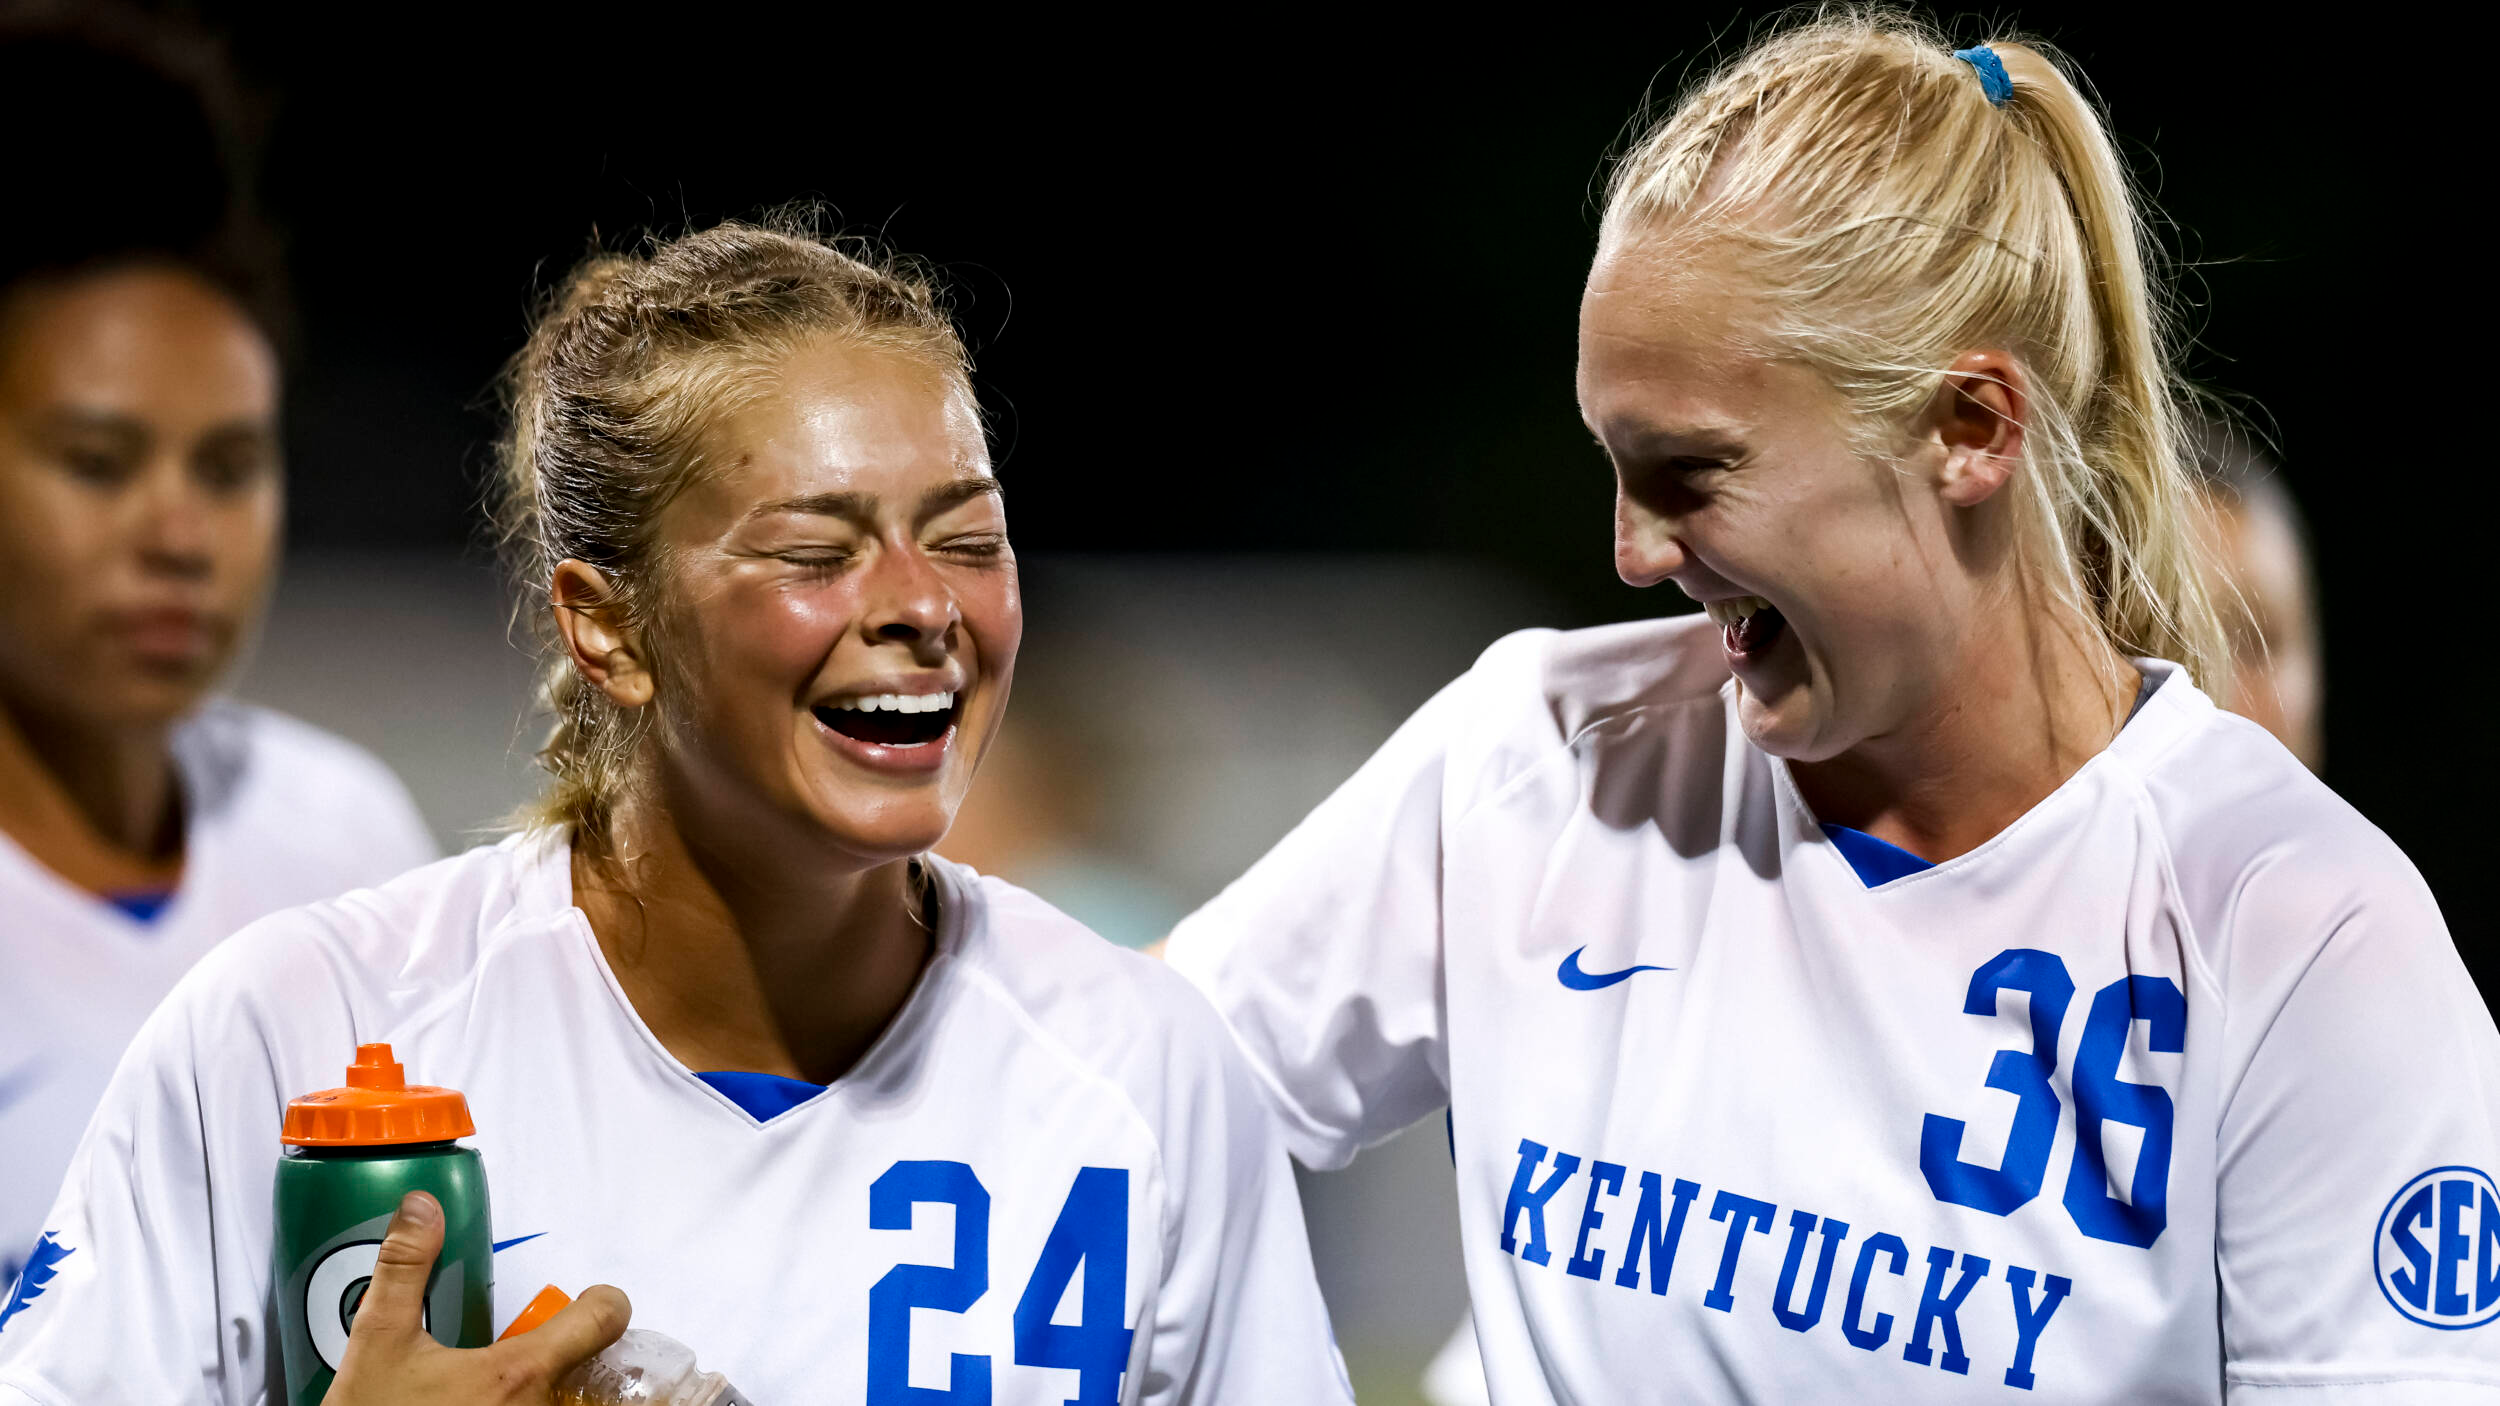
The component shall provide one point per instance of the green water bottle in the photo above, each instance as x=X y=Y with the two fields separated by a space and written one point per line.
x=351 y=1154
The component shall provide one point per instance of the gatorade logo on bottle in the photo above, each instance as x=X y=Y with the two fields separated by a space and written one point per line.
x=334 y=1287
x=351 y=1154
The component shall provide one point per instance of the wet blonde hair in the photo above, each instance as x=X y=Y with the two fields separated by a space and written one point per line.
x=632 y=358
x=1894 y=218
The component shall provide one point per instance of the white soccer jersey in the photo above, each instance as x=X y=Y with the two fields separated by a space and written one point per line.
x=2175 y=1091
x=875 y=1244
x=277 y=813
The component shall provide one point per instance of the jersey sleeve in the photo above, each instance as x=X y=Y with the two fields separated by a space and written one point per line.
x=1238 y=1318
x=2358 y=1229
x=1325 y=958
x=125 y=1298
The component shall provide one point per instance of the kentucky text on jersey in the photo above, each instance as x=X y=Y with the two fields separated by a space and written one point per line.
x=1654 y=1235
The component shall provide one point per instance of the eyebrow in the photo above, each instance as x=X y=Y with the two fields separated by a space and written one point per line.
x=855 y=505
x=1649 y=438
x=133 y=429
x=74 y=420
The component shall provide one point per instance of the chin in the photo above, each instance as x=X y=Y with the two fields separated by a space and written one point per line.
x=141 y=698
x=896 y=828
x=1791 y=729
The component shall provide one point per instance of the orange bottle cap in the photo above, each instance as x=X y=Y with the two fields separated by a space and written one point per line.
x=550 y=1302
x=378 y=1107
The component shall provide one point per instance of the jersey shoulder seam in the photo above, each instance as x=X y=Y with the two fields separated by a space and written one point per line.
x=2138 y=778
x=990 y=986
x=329 y=927
x=2149 y=811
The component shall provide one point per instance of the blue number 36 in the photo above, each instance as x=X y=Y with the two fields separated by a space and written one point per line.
x=1092 y=1230
x=2101 y=1097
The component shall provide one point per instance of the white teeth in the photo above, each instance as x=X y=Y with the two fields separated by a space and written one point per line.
x=899 y=702
x=1735 y=610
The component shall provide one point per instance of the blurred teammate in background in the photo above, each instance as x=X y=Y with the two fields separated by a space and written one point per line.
x=140 y=503
x=1903 y=984
x=850 y=1120
x=2266 y=588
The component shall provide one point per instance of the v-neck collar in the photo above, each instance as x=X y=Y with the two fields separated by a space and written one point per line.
x=199 y=868
x=547 y=888
x=2166 y=706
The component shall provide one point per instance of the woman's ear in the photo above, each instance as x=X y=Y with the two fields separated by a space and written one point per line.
x=1978 y=419
x=603 y=648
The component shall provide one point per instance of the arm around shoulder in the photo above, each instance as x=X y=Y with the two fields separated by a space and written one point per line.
x=1324 y=959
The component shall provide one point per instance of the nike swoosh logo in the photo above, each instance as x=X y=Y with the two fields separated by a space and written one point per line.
x=1570 y=975
x=503 y=1245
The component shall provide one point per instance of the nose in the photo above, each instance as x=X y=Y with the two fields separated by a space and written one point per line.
x=1647 y=547
x=175 y=534
x=909 y=603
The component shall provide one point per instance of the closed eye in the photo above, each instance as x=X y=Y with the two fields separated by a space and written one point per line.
x=101 y=467
x=977 y=548
x=815 y=560
x=1676 y=485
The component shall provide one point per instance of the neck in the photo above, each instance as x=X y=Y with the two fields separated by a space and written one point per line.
x=2025 y=704
x=94 y=803
x=738 y=958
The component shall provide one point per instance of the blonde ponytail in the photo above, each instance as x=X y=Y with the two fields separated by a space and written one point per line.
x=1896 y=216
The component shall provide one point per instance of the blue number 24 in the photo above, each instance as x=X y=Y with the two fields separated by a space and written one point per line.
x=2101 y=1097
x=1092 y=1231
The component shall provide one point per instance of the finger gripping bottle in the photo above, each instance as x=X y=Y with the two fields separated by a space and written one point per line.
x=351 y=1154
x=642 y=1368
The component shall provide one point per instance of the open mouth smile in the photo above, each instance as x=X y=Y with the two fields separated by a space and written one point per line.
x=891 y=720
x=1748 y=626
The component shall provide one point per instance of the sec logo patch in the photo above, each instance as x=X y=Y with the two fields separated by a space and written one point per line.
x=2438 y=1249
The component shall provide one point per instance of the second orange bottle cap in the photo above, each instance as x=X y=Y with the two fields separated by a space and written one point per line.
x=550 y=1302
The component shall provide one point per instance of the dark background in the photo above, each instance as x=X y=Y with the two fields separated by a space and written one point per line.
x=1308 y=283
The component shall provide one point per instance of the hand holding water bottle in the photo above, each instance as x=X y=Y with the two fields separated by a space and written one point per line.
x=640 y=1368
x=392 y=1361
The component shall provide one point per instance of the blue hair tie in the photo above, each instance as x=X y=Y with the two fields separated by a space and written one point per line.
x=1992 y=78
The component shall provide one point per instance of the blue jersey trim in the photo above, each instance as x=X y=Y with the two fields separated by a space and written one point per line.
x=764 y=1096
x=144 y=905
x=1878 y=862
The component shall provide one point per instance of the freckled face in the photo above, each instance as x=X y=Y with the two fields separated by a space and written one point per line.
x=843 y=618
x=1735 y=478
x=139 y=492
